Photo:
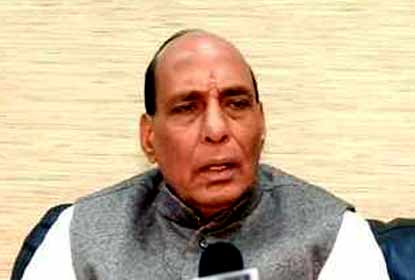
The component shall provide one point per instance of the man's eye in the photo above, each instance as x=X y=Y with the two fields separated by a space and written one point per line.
x=183 y=109
x=239 y=104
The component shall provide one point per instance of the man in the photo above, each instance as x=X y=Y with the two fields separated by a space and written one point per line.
x=204 y=127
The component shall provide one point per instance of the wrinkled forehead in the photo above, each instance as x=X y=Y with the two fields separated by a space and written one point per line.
x=194 y=46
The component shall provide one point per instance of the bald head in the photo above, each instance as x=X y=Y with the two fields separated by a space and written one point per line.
x=197 y=43
x=185 y=46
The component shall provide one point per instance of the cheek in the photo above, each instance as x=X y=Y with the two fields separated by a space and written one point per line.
x=174 y=151
x=250 y=141
x=169 y=146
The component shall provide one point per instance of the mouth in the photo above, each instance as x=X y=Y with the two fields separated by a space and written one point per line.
x=219 y=170
x=218 y=166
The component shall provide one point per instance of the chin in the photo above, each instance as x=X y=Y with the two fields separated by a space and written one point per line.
x=222 y=195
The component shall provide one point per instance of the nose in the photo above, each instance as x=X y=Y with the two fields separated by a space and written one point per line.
x=215 y=126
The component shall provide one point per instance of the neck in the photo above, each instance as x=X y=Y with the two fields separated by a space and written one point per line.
x=185 y=214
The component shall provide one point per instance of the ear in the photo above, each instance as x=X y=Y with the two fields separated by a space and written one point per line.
x=147 y=137
x=264 y=128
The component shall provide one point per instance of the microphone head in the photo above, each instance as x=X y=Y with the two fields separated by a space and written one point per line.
x=220 y=257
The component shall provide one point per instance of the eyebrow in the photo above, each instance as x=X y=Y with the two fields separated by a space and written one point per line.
x=236 y=91
x=193 y=95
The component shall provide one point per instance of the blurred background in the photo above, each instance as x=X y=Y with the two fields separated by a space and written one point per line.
x=337 y=79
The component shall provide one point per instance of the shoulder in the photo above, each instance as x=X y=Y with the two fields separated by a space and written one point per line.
x=297 y=208
x=143 y=183
x=291 y=191
x=112 y=209
x=143 y=186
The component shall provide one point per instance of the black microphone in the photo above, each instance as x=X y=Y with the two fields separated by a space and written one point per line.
x=220 y=257
x=223 y=261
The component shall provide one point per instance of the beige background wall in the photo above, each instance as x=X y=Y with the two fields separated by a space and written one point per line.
x=337 y=79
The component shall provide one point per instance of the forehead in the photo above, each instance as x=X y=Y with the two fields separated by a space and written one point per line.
x=200 y=61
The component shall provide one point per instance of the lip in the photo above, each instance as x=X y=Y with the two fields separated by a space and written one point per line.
x=219 y=169
x=228 y=162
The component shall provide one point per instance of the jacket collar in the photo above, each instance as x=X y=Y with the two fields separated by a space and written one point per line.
x=174 y=209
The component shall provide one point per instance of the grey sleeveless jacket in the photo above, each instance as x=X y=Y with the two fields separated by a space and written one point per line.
x=138 y=229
